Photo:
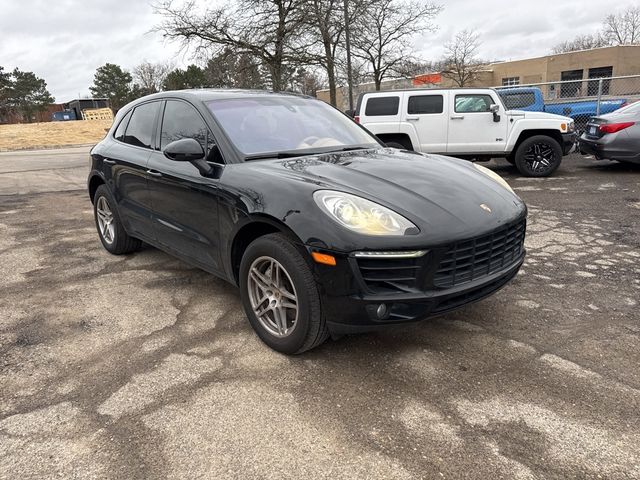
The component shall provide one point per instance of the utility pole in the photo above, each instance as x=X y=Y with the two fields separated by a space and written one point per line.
x=348 y=45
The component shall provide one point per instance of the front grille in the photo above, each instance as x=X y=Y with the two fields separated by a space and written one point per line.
x=386 y=275
x=480 y=256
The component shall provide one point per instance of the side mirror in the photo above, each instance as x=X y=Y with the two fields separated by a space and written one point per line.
x=495 y=108
x=184 y=150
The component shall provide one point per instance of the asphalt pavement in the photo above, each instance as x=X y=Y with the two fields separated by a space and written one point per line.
x=141 y=366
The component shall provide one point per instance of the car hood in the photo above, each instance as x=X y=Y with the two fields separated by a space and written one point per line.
x=539 y=115
x=440 y=195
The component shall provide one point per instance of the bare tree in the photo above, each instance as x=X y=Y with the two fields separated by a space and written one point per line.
x=327 y=22
x=461 y=63
x=232 y=70
x=623 y=28
x=268 y=30
x=385 y=33
x=306 y=81
x=150 y=77
x=617 y=29
x=581 y=42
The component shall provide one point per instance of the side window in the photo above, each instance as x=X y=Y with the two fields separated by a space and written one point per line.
x=119 y=133
x=425 y=104
x=182 y=121
x=378 y=106
x=472 y=103
x=141 y=126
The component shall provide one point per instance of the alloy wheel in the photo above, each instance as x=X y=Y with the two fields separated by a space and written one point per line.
x=273 y=296
x=539 y=157
x=105 y=220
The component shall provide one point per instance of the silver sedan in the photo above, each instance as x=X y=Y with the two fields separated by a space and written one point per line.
x=614 y=136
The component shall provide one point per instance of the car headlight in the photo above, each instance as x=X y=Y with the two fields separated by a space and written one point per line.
x=494 y=176
x=572 y=127
x=361 y=215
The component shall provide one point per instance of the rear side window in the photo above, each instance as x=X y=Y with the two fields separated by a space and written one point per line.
x=182 y=121
x=425 y=104
x=518 y=100
x=140 y=128
x=471 y=103
x=378 y=106
x=119 y=134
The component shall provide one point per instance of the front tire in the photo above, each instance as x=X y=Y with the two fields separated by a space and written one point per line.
x=112 y=234
x=280 y=295
x=538 y=156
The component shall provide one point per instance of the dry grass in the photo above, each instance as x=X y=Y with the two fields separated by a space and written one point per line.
x=51 y=134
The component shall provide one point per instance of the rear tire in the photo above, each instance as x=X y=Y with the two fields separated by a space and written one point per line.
x=275 y=278
x=396 y=145
x=112 y=234
x=538 y=156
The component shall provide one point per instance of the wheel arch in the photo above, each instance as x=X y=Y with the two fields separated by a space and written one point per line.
x=401 y=138
x=94 y=182
x=554 y=134
x=254 y=226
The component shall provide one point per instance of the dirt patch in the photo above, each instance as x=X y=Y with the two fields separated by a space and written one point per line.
x=51 y=134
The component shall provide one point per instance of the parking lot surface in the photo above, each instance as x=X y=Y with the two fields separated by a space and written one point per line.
x=143 y=367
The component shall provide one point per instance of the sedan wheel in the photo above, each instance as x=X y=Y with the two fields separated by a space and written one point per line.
x=280 y=295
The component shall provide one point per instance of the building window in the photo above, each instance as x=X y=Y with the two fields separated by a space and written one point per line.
x=509 y=81
x=571 y=89
x=600 y=72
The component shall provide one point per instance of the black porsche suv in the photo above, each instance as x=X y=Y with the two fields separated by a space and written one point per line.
x=323 y=228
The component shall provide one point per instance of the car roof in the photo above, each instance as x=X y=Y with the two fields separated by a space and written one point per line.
x=207 y=94
x=412 y=90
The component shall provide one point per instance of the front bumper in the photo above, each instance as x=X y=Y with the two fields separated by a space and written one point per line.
x=354 y=290
x=568 y=142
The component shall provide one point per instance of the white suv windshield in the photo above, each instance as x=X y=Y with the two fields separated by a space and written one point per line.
x=264 y=124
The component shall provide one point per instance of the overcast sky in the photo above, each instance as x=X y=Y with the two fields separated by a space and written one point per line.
x=64 y=41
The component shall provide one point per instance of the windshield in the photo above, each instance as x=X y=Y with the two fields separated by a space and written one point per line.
x=264 y=124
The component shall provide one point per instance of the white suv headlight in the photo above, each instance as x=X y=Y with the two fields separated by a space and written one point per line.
x=361 y=215
x=494 y=176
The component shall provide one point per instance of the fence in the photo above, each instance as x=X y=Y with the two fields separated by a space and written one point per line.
x=577 y=98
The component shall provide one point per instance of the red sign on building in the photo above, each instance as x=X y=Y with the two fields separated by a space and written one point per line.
x=427 y=79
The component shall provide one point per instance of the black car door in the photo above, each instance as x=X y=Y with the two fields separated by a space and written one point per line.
x=127 y=157
x=184 y=201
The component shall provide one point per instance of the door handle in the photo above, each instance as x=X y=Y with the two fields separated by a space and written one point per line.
x=154 y=173
x=413 y=119
x=108 y=161
x=457 y=117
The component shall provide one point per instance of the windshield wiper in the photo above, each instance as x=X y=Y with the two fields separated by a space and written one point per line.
x=264 y=156
x=348 y=149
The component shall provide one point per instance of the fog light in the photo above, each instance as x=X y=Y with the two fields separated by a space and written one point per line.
x=382 y=311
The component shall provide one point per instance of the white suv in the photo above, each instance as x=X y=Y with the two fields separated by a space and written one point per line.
x=467 y=123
